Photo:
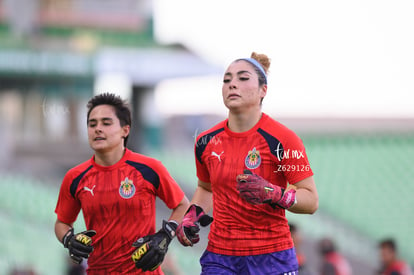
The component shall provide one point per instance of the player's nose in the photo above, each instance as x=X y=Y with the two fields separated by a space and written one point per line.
x=98 y=128
x=232 y=84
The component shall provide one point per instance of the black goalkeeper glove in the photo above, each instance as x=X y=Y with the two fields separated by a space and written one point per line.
x=79 y=245
x=152 y=248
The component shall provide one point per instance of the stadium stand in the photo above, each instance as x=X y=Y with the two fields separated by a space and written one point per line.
x=26 y=218
x=366 y=182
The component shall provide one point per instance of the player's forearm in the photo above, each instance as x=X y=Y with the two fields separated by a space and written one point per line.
x=61 y=229
x=203 y=196
x=306 y=197
x=178 y=212
x=307 y=202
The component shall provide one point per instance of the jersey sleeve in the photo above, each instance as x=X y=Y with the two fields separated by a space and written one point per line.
x=201 y=169
x=295 y=163
x=68 y=207
x=169 y=191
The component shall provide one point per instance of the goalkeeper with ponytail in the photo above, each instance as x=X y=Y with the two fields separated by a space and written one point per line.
x=250 y=169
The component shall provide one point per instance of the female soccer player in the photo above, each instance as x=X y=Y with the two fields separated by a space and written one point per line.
x=116 y=191
x=250 y=169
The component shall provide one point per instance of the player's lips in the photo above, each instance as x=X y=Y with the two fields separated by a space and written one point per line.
x=99 y=138
x=233 y=95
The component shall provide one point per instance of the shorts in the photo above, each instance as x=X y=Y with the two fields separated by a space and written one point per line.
x=277 y=263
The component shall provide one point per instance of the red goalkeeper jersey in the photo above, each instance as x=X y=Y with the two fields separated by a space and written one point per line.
x=270 y=150
x=118 y=202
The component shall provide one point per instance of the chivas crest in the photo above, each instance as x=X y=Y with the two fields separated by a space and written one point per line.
x=127 y=189
x=253 y=159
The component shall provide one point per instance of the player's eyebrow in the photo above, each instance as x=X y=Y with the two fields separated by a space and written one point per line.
x=243 y=72
x=238 y=73
x=102 y=119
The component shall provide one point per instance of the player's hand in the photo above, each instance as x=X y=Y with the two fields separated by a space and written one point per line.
x=187 y=231
x=151 y=249
x=256 y=190
x=79 y=245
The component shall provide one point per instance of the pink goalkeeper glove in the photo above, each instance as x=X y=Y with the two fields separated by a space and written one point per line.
x=187 y=230
x=256 y=190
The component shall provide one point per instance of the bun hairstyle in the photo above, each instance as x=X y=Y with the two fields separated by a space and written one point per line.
x=261 y=64
x=262 y=59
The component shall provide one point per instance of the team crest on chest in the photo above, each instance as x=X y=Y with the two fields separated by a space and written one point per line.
x=253 y=159
x=127 y=189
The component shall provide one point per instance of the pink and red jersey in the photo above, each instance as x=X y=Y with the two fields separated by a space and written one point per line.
x=339 y=264
x=270 y=150
x=118 y=202
x=397 y=267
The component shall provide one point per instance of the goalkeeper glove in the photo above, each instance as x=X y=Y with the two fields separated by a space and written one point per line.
x=79 y=245
x=187 y=231
x=256 y=190
x=152 y=248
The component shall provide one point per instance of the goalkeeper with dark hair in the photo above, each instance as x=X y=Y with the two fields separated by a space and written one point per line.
x=116 y=190
x=250 y=170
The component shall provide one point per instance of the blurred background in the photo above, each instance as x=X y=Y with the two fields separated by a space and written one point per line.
x=341 y=77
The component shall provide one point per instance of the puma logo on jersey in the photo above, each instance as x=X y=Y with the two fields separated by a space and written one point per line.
x=90 y=190
x=217 y=155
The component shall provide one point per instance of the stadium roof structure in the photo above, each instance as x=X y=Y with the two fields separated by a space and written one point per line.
x=144 y=66
x=148 y=66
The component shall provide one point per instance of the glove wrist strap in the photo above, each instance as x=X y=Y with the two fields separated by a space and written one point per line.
x=198 y=209
x=170 y=227
x=68 y=235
